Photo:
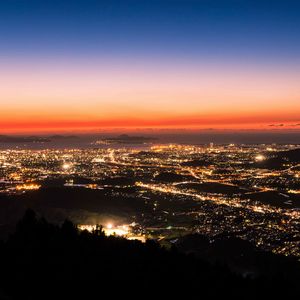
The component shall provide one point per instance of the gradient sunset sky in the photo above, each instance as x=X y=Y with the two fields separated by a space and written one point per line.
x=88 y=65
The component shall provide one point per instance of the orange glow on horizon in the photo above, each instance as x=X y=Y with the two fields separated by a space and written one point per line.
x=236 y=122
x=40 y=98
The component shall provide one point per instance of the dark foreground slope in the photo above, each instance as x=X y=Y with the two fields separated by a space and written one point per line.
x=45 y=261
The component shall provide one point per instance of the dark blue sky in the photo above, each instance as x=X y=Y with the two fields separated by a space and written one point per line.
x=149 y=63
x=257 y=30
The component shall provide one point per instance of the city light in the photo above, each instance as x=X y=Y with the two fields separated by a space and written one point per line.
x=109 y=226
x=174 y=189
x=66 y=166
x=260 y=157
x=28 y=187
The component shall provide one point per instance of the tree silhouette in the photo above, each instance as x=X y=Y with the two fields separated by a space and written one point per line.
x=45 y=261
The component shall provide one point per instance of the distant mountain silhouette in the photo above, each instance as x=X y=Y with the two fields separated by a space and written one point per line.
x=63 y=137
x=22 y=139
x=126 y=139
x=34 y=139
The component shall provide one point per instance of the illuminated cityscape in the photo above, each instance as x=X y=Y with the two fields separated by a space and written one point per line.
x=176 y=189
x=149 y=148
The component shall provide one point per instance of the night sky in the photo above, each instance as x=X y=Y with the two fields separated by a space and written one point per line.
x=86 y=65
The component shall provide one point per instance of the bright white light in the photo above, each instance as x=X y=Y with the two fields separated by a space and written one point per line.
x=110 y=229
x=66 y=166
x=260 y=157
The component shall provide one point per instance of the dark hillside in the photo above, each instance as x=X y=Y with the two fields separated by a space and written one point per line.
x=45 y=261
